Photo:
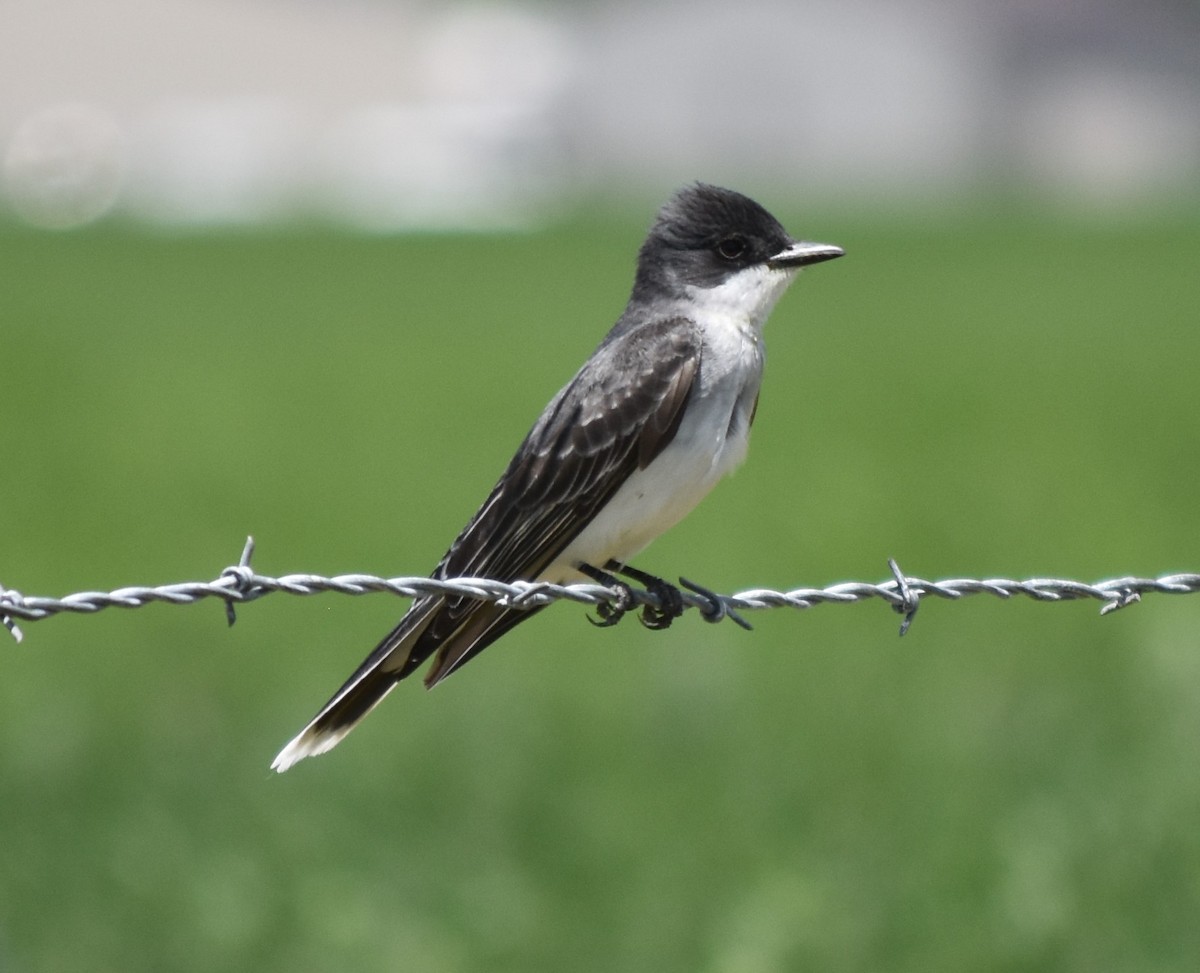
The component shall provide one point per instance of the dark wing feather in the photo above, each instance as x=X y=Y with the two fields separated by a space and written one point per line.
x=615 y=416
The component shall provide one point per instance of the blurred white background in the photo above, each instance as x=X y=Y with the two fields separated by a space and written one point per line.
x=390 y=115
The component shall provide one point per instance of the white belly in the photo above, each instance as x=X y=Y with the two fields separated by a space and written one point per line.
x=711 y=441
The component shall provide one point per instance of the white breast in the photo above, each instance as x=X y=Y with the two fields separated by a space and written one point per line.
x=712 y=440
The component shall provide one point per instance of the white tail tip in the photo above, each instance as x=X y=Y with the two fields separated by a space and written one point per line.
x=307 y=744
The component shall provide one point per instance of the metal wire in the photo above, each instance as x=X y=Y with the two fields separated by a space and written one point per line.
x=239 y=584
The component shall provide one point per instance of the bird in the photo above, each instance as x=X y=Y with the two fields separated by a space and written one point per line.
x=658 y=413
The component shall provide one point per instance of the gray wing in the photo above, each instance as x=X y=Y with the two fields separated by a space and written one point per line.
x=616 y=415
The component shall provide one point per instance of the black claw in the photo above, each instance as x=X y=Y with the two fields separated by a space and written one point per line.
x=670 y=604
x=670 y=601
x=608 y=616
x=655 y=619
x=610 y=612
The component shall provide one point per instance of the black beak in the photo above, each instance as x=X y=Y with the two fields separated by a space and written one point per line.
x=801 y=254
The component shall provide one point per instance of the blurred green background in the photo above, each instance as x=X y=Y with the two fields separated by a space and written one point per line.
x=1013 y=786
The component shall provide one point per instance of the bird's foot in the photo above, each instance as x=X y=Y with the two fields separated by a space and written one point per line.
x=610 y=612
x=670 y=601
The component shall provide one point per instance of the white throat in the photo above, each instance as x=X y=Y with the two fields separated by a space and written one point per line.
x=745 y=299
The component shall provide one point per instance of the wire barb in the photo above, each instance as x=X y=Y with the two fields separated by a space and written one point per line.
x=242 y=577
x=6 y=620
x=718 y=607
x=909 y=600
x=239 y=583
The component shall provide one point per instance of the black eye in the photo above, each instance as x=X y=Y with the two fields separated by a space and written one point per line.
x=731 y=248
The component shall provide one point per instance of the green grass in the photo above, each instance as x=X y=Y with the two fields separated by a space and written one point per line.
x=1011 y=787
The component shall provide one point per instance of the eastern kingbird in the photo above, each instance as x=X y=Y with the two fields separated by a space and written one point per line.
x=654 y=418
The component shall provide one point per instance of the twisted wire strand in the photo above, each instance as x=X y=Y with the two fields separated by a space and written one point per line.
x=239 y=584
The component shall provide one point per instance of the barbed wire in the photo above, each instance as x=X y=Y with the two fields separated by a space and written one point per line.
x=239 y=584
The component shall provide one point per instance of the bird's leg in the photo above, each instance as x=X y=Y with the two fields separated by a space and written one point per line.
x=610 y=612
x=669 y=598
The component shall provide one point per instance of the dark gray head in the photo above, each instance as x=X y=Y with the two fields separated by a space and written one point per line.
x=705 y=235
